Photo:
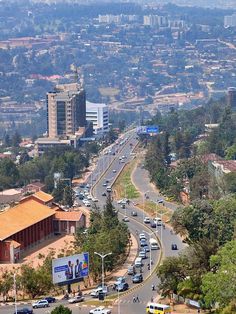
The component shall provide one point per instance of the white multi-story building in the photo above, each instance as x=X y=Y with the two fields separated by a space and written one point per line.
x=230 y=21
x=98 y=114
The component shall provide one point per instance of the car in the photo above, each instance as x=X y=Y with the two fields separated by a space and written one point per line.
x=146 y=249
x=87 y=204
x=114 y=170
x=142 y=237
x=89 y=197
x=131 y=270
x=126 y=219
x=153 y=224
x=94 y=199
x=146 y=220
x=174 y=246
x=40 y=304
x=161 y=201
x=50 y=299
x=119 y=281
x=123 y=286
x=24 y=310
x=76 y=299
x=158 y=221
x=137 y=278
x=142 y=254
x=122 y=206
x=134 y=213
x=95 y=292
x=104 y=184
x=104 y=194
x=143 y=243
x=100 y=310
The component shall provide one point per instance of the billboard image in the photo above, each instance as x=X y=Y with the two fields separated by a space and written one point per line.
x=148 y=130
x=69 y=269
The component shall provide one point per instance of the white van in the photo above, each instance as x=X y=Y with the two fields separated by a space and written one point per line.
x=138 y=262
x=154 y=244
x=109 y=189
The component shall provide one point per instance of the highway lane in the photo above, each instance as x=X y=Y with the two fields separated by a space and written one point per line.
x=106 y=163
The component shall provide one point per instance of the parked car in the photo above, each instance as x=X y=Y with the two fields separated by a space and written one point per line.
x=76 y=299
x=25 y=310
x=40 y=304
x=100 y=310
x=50 y=299
x=134 y=213
x=137 y=278
x=174 y=246
x=122 y=287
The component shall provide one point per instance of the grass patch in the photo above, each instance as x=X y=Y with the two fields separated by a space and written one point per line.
x=109 y=91
x=154 y=210
x=123 y=186
x=96 y=302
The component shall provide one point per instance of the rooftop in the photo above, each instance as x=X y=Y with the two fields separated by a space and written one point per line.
x=68 y=216
x=45 y=197
x=22 y=216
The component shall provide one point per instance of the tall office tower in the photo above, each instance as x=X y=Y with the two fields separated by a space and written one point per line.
x=232 y=97
x=66 y=110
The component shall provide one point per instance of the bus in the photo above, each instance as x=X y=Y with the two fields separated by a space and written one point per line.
x=157 y=308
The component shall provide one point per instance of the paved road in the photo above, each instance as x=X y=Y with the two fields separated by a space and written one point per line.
x=145 y=187
x=107 y=168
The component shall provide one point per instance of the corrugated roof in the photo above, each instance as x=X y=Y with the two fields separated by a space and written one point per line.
x=68 y=216
x=45 y=197
x=22 y=216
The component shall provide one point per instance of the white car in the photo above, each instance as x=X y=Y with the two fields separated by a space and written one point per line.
x=87 y=204
x=89 y=197
x=76 y=299
x=114 y=170
x=100 y=310
x=142 y=236
x=94 y=199
x=95 y=292
x=126 y=219
x=146 y=220
x=40 y=304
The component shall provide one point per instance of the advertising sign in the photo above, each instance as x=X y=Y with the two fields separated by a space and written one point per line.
x=148 y=130
x=70 y=269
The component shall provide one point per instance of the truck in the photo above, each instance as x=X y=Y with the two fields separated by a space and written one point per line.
x=154 y=244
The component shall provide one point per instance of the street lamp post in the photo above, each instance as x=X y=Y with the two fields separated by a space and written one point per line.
x=150 y=234
x=15 y=294
x=102 y=257
x=144 y=196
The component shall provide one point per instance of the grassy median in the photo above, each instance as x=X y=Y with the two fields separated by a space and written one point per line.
x=153 y=210
x=123 y=186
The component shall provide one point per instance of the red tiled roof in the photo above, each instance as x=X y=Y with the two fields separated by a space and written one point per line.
x=69 y=216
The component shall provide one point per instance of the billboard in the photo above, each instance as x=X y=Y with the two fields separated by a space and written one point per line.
x=70 y=269
x=148 y=130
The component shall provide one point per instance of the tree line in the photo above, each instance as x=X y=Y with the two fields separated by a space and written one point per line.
x=105 y=234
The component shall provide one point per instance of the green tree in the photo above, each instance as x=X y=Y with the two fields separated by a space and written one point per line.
x=218 y=285
x=61 y=309
x=68 y=196
x=58 y=192
x=16 y=139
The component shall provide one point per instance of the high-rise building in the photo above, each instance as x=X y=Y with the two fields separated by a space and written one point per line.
x=98 y=114
x=232 y=97
x=66 y=110
x=230 y=20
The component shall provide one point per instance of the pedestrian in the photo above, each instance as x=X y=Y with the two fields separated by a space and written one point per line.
x=148 y=265
x=134 y=299
x=137 y=299
x=153 y=287
x=151 y=299
x=198 y=310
